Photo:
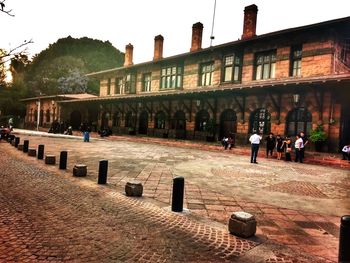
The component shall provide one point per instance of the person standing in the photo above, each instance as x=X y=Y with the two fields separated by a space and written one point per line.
x=279 y=146
x=288 y=146
x=305 y=141
x=298 y=146
x=255 y=142
x=270 y=144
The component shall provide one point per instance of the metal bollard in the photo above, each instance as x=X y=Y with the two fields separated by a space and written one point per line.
x=17 y=139
x=102 y=172
x=344 y=239
x=41 y=151
x=63 y=160
x=178 y=194
x=25 y=146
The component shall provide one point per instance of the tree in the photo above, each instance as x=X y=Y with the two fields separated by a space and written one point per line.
x=62 y=66
x=3 y=9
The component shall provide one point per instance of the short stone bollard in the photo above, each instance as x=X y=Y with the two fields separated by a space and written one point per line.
x=242 y=224
x=63 y=160
x=344 y=239
x=178 y=194
x=50 y=159
x=41 y=151
x=17 y=139
x=25 y=146
x=20 y=147
x=80 y=170
x=134 y=188
x=32 y=152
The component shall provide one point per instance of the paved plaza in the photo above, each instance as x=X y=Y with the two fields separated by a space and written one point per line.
x=46 y=214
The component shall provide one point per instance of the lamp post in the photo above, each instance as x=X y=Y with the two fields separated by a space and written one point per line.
x=296 y=98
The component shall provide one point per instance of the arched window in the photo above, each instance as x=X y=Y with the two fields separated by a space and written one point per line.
x=298 y=120
x=179 y=121
x=116 y=119
x=159 y=122
x=47 y=116
x=130 y=119
x=260 y=121
x=202 y=118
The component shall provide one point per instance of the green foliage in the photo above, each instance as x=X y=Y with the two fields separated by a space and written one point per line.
x=57 y=68
x=318 y=134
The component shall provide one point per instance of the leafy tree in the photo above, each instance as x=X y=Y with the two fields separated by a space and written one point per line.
x=61 y=67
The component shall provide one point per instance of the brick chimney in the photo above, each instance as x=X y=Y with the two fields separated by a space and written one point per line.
x=128 y=55
x=249 y=24
x=158 y=47
x=197 y=30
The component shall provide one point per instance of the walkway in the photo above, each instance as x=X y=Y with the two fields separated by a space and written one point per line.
x=297 y=205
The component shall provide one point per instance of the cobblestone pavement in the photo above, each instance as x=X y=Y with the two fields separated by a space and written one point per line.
x=296 y=205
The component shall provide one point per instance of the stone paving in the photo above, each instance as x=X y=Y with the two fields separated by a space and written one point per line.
x=297 y=205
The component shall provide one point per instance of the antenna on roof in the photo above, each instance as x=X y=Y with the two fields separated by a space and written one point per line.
x=212 y=25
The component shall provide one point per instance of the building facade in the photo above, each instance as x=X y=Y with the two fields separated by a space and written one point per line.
x=42 y=111
x=282 y=82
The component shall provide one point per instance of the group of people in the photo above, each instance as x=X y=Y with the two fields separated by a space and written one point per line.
x=282 y=145
x=228 y=141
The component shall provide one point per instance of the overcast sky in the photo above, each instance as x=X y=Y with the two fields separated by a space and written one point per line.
x=138 y=21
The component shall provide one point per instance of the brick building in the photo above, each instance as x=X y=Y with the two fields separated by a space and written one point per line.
x=43 y=110
x=281 y=82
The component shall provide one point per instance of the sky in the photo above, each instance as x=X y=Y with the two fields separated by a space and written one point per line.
x=139 y=21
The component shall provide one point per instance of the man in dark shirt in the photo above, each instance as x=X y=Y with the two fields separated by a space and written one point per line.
x=270 y=144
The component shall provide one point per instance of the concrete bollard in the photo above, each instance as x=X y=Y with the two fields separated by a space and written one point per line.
x=25 y=146
x=17 y=139
x=102 y=172
x=32 y=152
x=63 y=160
x=50 y=159
x=41 y=151
x=134 y=188
x=79 y=170
x=242 y=224
x=178 y=194
x=344 y=239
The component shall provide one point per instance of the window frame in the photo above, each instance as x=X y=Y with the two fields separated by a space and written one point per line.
x=294 y=117
x=295 y=56
x=130 y=83
x=118 y=85
x=236 y=67
x=268 y=63
x=160 y=120
x=109 y=86
x=206 y=73
x=167 y=75
x=256 y=119
x=147 y=88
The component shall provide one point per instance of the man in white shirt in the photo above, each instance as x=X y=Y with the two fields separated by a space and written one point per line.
x=255 y=141
x=346 y=152
x=299 y=145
